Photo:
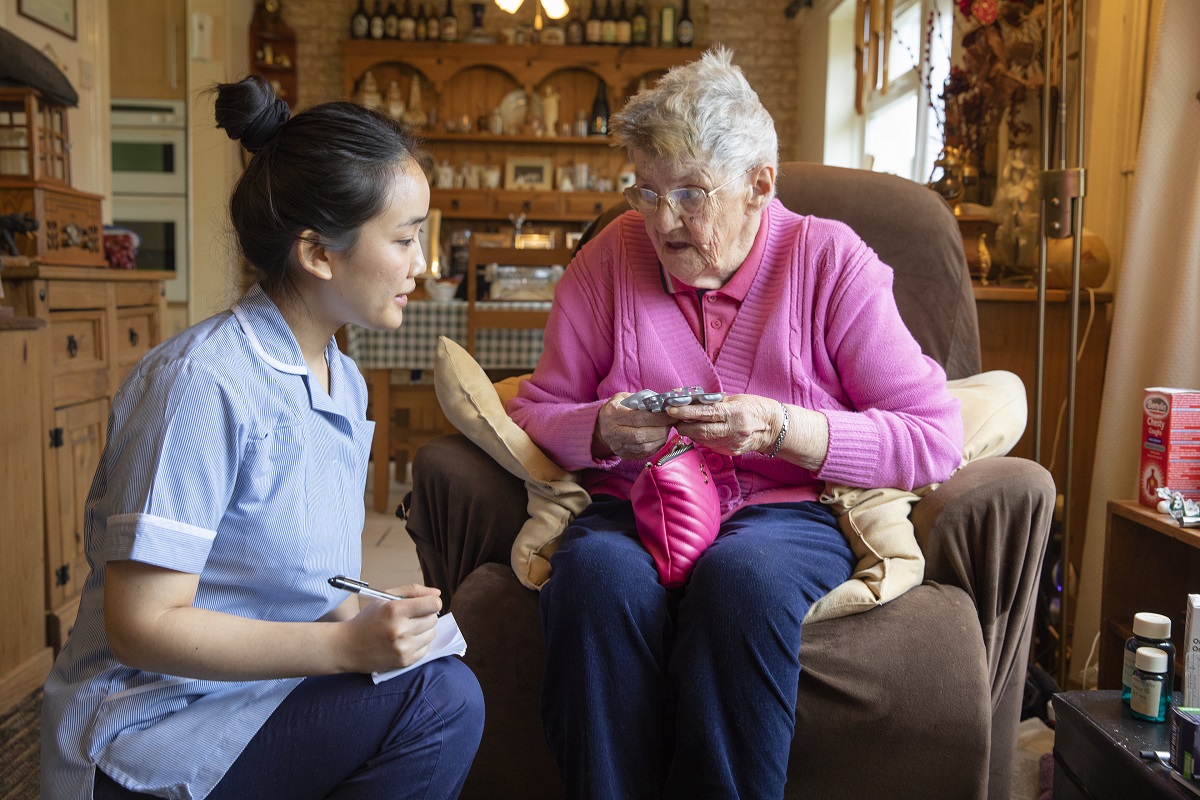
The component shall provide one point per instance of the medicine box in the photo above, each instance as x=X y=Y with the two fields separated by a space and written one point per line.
x=1170 y=444
x=1191 y=652
x=1185 y=755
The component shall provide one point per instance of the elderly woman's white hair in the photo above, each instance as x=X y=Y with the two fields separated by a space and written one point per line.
x=701 y=112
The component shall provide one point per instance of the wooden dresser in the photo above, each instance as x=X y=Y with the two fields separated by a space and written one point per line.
x=24 y=657
x=100 y=322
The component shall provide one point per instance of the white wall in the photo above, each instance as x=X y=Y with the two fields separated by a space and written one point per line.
x=84 y=60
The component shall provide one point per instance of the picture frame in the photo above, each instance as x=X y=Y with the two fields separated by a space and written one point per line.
x=522 y=172
x=57 y=15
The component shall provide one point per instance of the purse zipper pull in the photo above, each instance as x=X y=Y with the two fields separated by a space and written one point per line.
x=679 y=449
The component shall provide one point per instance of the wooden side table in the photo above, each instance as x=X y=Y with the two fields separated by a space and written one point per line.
x=1150 y=564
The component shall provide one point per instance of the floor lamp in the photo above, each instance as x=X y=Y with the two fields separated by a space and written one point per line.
x=1063 y=189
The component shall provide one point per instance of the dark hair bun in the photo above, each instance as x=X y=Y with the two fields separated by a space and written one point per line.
x=249 y=112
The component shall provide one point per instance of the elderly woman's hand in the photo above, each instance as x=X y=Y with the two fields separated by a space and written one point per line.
x=628 y=433
x=739 y=424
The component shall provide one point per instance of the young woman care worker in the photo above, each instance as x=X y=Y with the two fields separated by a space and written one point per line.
x=211 y=657
x=690 y=693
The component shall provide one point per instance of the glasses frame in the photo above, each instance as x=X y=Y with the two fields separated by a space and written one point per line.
x=634 y=194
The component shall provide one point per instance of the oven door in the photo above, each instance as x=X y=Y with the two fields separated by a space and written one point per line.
x=161 y=222
x=149 y=161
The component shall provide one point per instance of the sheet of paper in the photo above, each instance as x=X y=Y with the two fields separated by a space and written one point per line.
x=447 y=641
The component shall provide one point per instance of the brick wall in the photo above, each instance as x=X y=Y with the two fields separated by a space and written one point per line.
x=763 y=41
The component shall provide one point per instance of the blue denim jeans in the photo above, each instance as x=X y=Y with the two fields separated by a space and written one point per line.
x=686 y=693
x=343 y=737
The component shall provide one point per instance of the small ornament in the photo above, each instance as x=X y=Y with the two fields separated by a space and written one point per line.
x=985 y=11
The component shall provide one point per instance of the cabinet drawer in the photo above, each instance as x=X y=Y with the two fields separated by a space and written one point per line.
x=137 y=332
x=138 y=294
x=458 y=203
x=533 y=204
x=591 y=203
x=79 y=355
x=67 y=295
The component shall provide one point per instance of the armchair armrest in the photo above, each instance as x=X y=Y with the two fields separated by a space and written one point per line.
x=466 y=511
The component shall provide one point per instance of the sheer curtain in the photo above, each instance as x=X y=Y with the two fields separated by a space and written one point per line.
x=1156 y=317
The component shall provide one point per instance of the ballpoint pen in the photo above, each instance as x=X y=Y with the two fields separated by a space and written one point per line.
x=360 y=587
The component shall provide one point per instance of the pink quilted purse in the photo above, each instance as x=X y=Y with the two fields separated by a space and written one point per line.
x=676 y=508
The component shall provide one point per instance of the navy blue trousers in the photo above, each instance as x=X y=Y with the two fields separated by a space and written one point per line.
x=343 y=737
x=686 y=693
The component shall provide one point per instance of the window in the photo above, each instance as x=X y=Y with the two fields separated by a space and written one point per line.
x=901 y=131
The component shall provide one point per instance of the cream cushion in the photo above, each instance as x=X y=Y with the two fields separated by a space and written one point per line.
x=874 y=521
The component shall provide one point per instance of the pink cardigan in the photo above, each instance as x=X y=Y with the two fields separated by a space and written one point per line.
x=819 y=328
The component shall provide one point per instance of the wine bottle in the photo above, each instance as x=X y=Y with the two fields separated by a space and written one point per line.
x=377 y=21
x=360 y=22
x=433 y=25
x=624 y=25
x=591 y=32
x=598 y=123
x=685 y=31
x=391 y=22
x=667 y=18
x=608 y=26
x=575 y=33
x=421 y=32
x=449 y=26
x=407 y=28
x=640 y=26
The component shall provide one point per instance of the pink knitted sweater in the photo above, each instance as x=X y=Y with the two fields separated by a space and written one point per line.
x=818 y=328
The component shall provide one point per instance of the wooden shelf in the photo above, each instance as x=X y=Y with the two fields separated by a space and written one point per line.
x=488 y=138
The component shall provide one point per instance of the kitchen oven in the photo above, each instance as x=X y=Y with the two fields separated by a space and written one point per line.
x=149 y=158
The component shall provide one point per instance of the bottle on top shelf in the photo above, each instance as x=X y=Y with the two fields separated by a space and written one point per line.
x=391 y=22
x=667 y=17
x=377 y=25
x=421 y=27
x=433 y=25
x=640 y=24
x=592 y=30
x=406 y=28
x=575 y=29
x=449 y=27
x=685 y=30
x=608 y=26
x=624 y=25
x=360 y=22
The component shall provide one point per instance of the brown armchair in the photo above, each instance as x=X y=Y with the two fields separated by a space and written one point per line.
x=918 y=698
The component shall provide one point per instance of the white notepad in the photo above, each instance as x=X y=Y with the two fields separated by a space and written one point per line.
x=447 y=641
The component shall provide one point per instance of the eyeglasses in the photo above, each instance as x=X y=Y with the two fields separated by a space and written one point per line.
x=689 y=200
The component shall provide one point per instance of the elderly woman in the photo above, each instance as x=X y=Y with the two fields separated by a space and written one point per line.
x=691 y=692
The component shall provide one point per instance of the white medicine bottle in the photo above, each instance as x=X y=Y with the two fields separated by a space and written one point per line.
x=1149 y=630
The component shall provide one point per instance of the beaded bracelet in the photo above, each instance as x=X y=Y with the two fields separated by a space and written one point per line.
x=782 y=433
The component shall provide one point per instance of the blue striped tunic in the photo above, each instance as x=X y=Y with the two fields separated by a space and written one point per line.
x=224 y=458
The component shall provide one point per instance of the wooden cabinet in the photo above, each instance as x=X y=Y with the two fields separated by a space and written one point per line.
x=24 y=657
x=148 y=49
x=1150 y=564
x=462 y=84
x=1008 y=340
x=100 y=322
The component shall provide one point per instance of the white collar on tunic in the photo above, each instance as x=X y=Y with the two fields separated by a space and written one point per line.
x=256 y=307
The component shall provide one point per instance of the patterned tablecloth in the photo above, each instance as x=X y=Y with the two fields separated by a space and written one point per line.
x=412 y=345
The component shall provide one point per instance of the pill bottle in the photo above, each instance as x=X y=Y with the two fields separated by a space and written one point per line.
x=1149 y=630
x=1148 y=691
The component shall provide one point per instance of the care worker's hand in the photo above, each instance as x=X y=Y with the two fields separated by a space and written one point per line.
x=390 y=634
x=628 y=433
x=739 y=424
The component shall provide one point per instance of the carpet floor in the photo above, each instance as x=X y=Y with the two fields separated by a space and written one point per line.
x=20 y=747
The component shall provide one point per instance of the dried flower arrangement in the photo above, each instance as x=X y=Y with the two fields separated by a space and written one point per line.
x=998 y=80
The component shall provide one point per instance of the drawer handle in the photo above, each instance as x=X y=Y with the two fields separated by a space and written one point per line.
x=72 y=346
x=133 y=337
x=526 y=205
x=598 y=207
x=454 y=203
